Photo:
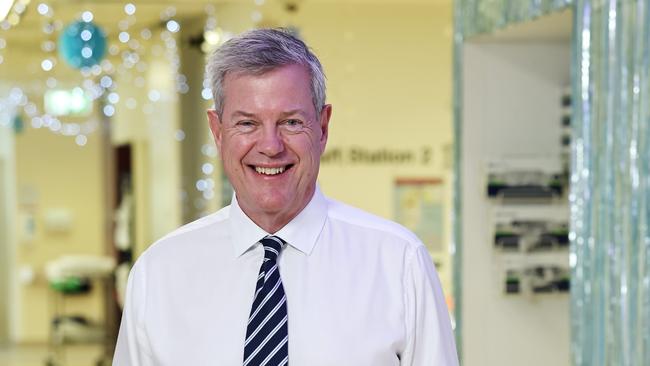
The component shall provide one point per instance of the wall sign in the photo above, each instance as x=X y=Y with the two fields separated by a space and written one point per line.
x=388 y=156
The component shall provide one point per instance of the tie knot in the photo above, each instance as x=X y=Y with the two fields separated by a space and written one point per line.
x=272 y=247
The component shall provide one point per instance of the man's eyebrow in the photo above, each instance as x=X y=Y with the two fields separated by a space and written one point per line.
x=293 y=112
x=242 y=113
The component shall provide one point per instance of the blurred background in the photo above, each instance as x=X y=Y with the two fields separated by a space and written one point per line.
x=511 y=136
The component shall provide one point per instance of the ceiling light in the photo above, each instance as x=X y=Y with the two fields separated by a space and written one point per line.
x=129 y=9
x=87 y=16
x=5 y=7
x=212 y=37
x=173 y=26
x=43 y=9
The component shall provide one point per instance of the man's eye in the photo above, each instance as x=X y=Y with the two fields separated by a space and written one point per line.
x=245 y=125
x=293 y=124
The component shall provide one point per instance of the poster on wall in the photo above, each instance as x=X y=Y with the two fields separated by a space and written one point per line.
x=419 y=206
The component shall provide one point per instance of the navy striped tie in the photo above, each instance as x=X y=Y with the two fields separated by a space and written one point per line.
x=267 y=331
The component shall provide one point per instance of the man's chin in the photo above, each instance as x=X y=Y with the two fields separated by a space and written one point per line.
x=275 y=208
x=268 y=204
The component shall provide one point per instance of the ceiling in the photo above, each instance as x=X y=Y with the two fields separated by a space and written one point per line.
x=23 y=51
x=20 y=59
x=148 y=12
x=27 y=37
x=107 y=14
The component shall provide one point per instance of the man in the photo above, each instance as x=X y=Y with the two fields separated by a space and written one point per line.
x=283 y=275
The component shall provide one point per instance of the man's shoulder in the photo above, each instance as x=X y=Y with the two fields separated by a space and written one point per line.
x=198 y=224
x=353 y=216
x=180 y=235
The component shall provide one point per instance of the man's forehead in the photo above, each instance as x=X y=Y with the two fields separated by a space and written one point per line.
x=282 y=91
x=259 y=71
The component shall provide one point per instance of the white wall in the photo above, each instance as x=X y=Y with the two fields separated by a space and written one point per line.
x=42 y=161
x=511 y=102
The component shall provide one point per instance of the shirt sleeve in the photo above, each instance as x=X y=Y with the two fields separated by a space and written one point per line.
x=132 y=348
x=429 y=339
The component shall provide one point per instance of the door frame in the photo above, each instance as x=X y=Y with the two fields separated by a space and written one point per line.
x=8 y=284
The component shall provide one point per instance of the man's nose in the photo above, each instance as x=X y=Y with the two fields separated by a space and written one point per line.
x=270 y=143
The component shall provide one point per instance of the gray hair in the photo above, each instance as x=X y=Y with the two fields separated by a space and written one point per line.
x=259 y=51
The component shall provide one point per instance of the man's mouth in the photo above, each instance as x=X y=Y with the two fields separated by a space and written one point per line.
x=272 y=171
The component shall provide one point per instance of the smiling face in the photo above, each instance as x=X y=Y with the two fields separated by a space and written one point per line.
x=270 y=139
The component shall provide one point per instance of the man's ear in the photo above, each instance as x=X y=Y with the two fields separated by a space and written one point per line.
x=325 y=115
x=215 y=127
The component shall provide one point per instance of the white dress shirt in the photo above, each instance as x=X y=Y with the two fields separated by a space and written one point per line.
x=360 y=290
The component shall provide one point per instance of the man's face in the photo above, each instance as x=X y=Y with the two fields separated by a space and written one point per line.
x=270 y=139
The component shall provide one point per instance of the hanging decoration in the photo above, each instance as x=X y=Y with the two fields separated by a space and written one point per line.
x=82 y=44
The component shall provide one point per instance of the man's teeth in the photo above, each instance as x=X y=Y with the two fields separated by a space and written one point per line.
x=269 y=171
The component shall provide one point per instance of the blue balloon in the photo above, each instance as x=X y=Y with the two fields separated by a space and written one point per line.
x=82 y=44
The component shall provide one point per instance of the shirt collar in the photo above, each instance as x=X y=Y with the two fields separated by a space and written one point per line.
x=301 y=232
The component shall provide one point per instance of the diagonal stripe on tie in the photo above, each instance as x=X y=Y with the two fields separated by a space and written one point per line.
x=265 y=320
x=267 y=336
x=271 y=343
x=264 y=296
x=265 y=341
x=274 y=351
x=284 y=361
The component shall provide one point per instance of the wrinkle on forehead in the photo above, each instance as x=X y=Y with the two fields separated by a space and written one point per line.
x=283 y=114
x=254 y=94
